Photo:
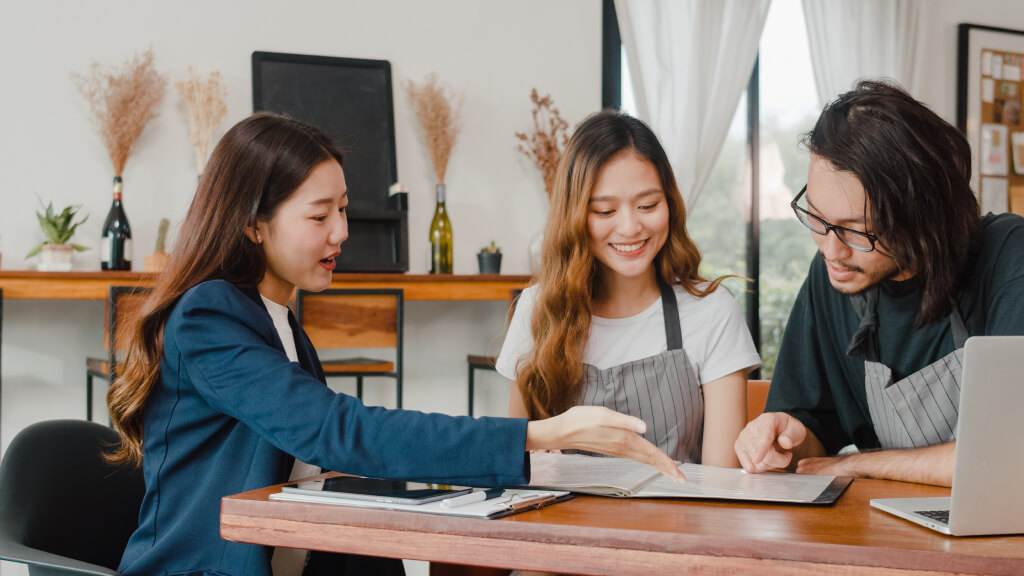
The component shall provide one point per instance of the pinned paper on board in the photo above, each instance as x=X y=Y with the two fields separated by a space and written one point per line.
x=995 y=195
x=1017 y=151
x=1011 y=68
x=988 y=90
x=993 y=150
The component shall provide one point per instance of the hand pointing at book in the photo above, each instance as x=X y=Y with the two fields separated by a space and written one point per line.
x=598 y=429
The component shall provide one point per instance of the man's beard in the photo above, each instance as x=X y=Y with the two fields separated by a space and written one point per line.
x=875 y=276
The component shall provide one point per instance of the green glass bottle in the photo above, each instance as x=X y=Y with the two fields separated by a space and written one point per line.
x=440 y=237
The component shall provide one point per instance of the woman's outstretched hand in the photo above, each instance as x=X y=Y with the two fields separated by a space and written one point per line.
x=598 y=429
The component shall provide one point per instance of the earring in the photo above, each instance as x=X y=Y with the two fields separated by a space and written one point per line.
x=259 y=239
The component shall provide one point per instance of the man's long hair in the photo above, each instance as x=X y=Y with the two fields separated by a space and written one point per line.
x=916 y=172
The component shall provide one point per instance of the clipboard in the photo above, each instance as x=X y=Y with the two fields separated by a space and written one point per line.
x=512 y=501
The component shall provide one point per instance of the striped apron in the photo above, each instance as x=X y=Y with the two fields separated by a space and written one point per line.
x=662 y=390
x=921 y=409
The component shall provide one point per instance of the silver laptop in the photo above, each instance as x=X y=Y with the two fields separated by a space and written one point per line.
x=987 y=497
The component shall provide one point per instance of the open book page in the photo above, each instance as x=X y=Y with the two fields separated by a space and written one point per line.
x=627 y=478
x=735 y=484
x=590 y=474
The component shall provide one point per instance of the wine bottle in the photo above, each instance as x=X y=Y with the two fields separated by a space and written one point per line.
x=116 y=251
x=440 y=237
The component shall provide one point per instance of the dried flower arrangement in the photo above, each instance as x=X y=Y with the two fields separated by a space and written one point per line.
x=437 y=110
x=122 y=102
x=204 y=109
x=548 y=140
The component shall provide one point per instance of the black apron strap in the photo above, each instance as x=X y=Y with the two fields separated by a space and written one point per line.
x=956 y=323
x=670 y=311
x=864 y=343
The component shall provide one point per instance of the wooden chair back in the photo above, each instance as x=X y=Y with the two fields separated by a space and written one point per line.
x=341 y=318
x=757 y=397
x=123 y=306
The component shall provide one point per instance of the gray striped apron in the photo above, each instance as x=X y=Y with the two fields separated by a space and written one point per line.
x=921 y=409
x=663 y=390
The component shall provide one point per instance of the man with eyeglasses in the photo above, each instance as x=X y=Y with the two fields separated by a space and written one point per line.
x=906 y=271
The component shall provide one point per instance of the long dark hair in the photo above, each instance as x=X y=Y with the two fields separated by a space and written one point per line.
x=916 y=172
x=549 y=376
x=255 y=167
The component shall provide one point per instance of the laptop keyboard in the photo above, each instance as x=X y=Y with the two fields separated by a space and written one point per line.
x=937 y=515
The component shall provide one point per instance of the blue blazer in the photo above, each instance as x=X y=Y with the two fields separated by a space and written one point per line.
x=229 y=413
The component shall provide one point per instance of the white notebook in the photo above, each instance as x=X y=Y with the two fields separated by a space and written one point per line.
x=626 y=478
x=512 y=501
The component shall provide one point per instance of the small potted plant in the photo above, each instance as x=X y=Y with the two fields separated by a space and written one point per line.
x=489 y=259
x=55 y=251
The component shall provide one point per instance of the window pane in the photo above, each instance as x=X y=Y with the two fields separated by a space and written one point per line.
x=718 y=221
x=789 y=107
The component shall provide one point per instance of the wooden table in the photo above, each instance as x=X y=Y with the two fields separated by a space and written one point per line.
x=590 y=535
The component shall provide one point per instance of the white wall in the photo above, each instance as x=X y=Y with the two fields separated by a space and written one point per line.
x=492 y=52
x=942 y=18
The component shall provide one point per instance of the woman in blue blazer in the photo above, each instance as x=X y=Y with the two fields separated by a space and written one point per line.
x=222 y=391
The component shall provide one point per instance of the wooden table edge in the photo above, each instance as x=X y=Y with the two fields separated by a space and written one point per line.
x=251 y=517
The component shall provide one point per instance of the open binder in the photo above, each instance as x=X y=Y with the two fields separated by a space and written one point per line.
x=626 y=478
x=512 y=501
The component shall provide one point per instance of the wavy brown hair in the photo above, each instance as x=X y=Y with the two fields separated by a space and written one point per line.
x=549 y=376
x=256 y=166
x=916 y=172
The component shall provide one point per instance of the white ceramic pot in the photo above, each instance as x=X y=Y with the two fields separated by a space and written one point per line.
x=55 y=258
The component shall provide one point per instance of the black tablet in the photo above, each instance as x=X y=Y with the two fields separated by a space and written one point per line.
x=376 y=490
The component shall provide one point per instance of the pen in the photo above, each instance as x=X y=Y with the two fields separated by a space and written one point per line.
x=535 y=502
x=476 y=496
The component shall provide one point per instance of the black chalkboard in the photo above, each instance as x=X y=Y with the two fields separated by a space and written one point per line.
x=350 y=100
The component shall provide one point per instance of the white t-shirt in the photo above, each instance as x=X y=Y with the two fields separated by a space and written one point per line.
x=279 y=314
x=715 y=337
x=288 y=561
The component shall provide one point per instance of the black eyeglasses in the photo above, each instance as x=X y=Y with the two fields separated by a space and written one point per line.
x=861 y=241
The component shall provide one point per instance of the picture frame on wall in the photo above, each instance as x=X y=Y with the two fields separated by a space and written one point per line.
x=350 y=100
x=990 y=95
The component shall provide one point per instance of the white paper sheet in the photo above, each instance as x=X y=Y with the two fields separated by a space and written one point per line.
x=993 y=150
x=995 y=195
x=988 y=90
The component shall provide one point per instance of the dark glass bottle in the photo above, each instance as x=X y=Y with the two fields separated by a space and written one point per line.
x=116 y=250
x=440 y=237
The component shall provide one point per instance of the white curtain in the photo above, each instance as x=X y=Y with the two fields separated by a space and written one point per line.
x=852 y=40
x=690 y=61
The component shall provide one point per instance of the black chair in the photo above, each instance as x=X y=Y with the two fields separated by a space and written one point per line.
x=123 y=304
x=341 y=318
x=63 y=510
x=476 y=362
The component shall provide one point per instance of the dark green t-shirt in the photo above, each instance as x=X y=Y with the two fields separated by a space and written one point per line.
x=815 y=380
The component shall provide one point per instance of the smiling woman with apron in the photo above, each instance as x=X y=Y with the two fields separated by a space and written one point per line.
x=617 y=291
